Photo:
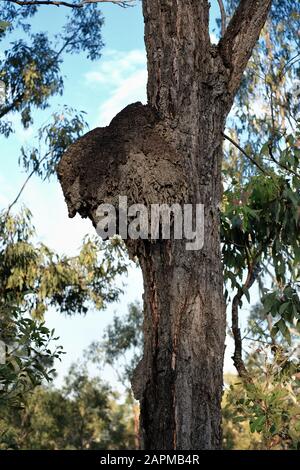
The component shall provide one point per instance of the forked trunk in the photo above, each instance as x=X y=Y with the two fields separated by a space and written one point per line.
x=180 y=380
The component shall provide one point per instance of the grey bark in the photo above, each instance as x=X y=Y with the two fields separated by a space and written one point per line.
x=172 y=150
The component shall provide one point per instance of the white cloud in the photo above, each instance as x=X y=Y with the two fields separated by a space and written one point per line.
x=130 y=90
x=213 y=38
x=125 y=76
x=53 y=226
x=115 y=66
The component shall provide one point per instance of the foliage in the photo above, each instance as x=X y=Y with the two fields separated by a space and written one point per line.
x=263 y=413
x=27 y=355
x=261 y=207
x=267 y=104
x=84 y=414
x=122 y=344
x=268 y=407
x=34 y=278
x=236 y=433
x=39 y=278
x=53 y=139
x=260 y=235
x=260 y=232
x=31 y=66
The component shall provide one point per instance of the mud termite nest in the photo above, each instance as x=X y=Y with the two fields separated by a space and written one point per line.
x=131 y=157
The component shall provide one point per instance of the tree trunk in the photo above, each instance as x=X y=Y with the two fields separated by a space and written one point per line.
x=181 y=373
x=179 y=382
x=177 y=140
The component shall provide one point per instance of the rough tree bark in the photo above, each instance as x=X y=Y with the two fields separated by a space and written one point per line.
x=171 y=151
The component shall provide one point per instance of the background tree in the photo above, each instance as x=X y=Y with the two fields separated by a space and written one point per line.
x=122 y=344
x=31 y=64
x=85 y=414
x=264 y=413
x=32 y=279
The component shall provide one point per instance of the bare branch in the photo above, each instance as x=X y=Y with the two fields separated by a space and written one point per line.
x=241 y=36
x=58 y=3
x=223 y=17
x=37 y=165
x=289 y=64
x=256 y=163
x=253 y=273
x=238 y=357
x=254 y=268
x=252 y=160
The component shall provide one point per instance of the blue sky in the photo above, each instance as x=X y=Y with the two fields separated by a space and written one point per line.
x=101 y=88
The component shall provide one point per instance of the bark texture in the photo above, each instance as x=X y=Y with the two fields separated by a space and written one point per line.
x=171 y=150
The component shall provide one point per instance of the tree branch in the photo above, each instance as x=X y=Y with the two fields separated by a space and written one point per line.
x=281 y=165
x=238 y=356
x=25 y=183
x=58 y=3
x=6 y=109
x=252 y=160
x=241 y=36
x=223 y=17
x=254 y=268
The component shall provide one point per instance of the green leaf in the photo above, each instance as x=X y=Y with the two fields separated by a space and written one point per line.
x=269 y=301
x=265 y=150
x=284 y=307
x=284 y=330
x=259 y=423
x=246 y=293
x=4 y=25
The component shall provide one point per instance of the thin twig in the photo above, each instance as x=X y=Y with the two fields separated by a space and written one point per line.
x=252 y=160
x=223 y=17
x=250 y=329
x=58 y=3
x=290 y=63
x=272 y=110
x=281 y=165
x=25 y=183
x=255 y=340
